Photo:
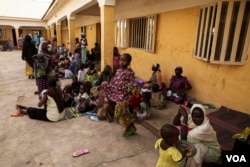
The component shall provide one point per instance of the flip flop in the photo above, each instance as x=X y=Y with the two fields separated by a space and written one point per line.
x=93 y=118
x=80 y=151
x=130 y=133
x=16 y=114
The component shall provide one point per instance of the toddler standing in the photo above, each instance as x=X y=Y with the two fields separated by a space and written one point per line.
x=41 y=64
x=169 y=154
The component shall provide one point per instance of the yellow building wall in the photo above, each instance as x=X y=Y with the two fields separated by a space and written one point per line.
x=78 y=32
x=9 y=34
x=91 y=36
x=65 y=37
x=216 y=84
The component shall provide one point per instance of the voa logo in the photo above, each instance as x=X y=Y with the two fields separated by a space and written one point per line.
x=236 y=158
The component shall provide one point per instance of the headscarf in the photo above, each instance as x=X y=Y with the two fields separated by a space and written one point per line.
x=28 y=50
x=203 y=132
x=178 y=68
x=42 y=40
x=42 y=65
x=156 y=67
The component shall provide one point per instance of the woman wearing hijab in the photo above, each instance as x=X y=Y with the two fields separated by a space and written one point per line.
x=197 y=129
x=29 y=49
x=179 y=84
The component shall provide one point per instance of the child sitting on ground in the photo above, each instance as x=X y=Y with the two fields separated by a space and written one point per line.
x=92 y=74
x=68 y=96
x=81 y=72
x=144 y=110
x=75 y=86
x=84 y=101
x=169 y=154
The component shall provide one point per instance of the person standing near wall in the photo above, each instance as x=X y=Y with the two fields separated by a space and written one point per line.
x=28 y=50
x=37 y=40
x=84 y=44
x=20 y=41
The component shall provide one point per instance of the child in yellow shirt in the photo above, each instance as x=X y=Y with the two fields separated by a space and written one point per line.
x=169 y=154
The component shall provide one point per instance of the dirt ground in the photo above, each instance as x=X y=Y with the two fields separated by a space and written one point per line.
x=32 y=143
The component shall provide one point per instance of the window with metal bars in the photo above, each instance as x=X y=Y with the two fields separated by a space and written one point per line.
x=137 y=33
x=3 y=34
x=223 y=32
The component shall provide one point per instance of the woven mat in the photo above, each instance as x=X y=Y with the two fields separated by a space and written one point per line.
x=70 y=112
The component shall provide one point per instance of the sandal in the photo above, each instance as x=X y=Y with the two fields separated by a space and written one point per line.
x=80 y=151
x=130 y=133
x=16 y=114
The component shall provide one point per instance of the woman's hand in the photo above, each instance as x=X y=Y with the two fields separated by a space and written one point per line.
x=43 y=100
x=177 y=119
x=182 y=111
x=181 y=93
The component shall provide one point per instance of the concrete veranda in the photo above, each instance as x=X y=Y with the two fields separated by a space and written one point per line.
x=27 y=142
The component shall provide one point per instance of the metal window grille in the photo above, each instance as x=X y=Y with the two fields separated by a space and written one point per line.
x=143 y=31
x=3 y=34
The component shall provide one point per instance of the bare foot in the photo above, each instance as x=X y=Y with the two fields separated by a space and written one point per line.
x=21 y=109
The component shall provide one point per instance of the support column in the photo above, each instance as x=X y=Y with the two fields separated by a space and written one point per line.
x=71 y=31
x=107 y=32
x=58 y=33
x=17 y=36
x=52 y=31
x=48 y=33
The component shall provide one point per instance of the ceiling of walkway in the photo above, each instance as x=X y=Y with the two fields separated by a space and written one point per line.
x=27 y=9
x=40 y=9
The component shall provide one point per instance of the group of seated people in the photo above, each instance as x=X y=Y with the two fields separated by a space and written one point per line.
x=178 y=86
x=118 y=97
x=86 y=79
x=68 y=64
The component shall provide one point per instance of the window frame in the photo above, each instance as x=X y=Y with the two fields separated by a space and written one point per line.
x=142 y=27
x=3 y=33
x=214 y=32
x=122 y=33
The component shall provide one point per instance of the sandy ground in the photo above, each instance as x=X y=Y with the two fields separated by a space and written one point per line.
x=32 y=143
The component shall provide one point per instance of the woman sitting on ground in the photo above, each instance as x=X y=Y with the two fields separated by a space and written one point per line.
x=156 y=78
x=53 y=103
x=178 y=86
x=197 y=129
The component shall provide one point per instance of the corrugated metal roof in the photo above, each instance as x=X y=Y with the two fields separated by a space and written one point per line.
x=32 y=9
